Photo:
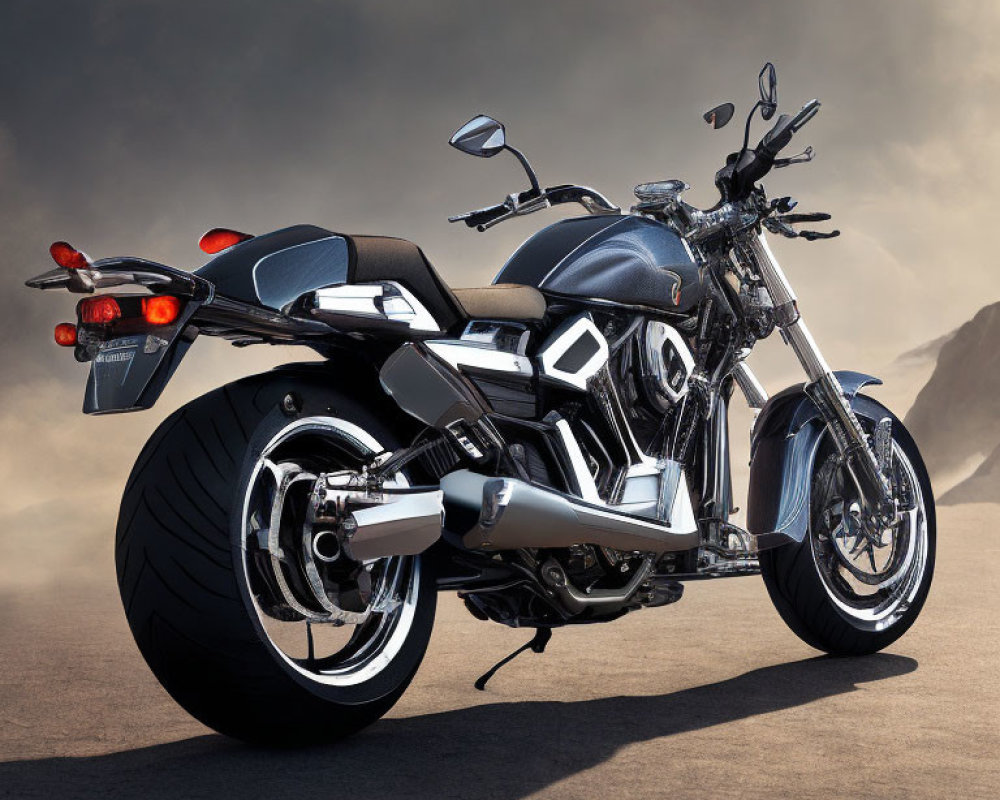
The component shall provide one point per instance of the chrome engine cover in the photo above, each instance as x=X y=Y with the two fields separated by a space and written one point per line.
x=667 y=364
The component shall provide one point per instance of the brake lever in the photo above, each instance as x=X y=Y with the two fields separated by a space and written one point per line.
x=812 y=236
x=806 y=155
x=816 y=216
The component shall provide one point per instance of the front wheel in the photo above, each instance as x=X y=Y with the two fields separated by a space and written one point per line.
x=249 y=622
x=851 y=588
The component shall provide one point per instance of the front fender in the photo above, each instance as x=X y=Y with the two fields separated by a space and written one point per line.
x=783 y=447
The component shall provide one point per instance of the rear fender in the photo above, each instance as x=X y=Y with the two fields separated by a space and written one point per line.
x=783 y=448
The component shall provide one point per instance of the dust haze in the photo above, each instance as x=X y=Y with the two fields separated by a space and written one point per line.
x=130 y=128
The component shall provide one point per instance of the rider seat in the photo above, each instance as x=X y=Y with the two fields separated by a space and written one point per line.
x=503 y=301
x=387 y=258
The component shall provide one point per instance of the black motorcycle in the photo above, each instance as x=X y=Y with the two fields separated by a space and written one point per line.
x=553 y=447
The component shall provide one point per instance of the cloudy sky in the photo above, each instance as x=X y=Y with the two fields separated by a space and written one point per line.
x=131 y=127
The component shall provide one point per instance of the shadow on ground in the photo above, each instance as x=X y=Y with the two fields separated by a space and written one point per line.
x=507 y=750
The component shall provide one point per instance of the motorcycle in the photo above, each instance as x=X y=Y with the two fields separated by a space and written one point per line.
x=553 y=447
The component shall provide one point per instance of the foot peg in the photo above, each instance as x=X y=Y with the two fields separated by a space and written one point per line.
x=662 y=592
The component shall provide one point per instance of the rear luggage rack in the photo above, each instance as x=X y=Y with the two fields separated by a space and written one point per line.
x=123 y=272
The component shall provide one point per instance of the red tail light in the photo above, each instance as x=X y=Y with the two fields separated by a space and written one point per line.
x=161 y=309
x=99 y=310
x=218 y=239
x=67 y=256
x=66 y=334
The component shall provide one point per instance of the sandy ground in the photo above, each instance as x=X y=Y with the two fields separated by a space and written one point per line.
x=710 y=698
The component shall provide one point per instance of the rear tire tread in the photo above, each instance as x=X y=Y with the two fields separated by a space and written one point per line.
x=177 y=565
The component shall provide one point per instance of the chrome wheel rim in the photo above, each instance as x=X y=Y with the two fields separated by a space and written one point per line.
x=301 y=614
x=871 y=575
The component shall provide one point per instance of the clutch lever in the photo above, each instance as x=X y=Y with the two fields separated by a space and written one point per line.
x=806 y=155
x=516 y=208
x=485 y=226
x=783 y=225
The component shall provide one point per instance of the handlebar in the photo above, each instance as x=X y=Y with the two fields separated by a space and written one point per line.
x=743 y=170
x=527 y=202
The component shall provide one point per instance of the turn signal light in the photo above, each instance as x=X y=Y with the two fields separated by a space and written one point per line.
x=218 y=239
x=161 y=309
x=99 y=310
x=66 y=334
x=67 y=256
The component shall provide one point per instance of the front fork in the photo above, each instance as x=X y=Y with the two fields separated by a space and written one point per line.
x=864 y=462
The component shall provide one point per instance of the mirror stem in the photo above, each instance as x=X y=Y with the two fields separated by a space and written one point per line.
x=535 y=188
x=746 y=132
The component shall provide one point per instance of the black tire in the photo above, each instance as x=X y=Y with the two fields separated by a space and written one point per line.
x=184 y=587
x=799 y=592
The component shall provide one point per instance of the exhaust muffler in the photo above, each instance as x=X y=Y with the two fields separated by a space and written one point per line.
x=513 y=514
x=397 y=525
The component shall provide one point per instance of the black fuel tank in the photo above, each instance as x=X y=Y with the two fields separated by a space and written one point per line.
x=623 y=259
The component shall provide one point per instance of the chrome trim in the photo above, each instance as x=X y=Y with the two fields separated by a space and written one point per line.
x=606 y=394
x=588 y=489
x=399 y=525
x=487 y=333
x=561 y=340
x=317 y=552
x=481 y=356
x=667 y=191
x=770 y=271
x=655 y=367
x=385 y=300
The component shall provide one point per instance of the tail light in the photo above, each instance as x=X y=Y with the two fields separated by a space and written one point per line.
x=125 y=314
x=65 y=334
x=101 y=310
x=218 y=239
x=160 y=309
x=67 y=256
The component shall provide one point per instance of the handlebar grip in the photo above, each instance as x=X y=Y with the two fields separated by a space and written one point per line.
x=776 y=139
x=807 y=112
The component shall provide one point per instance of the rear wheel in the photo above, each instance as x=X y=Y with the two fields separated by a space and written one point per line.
x=254 y=625
x=851 y=587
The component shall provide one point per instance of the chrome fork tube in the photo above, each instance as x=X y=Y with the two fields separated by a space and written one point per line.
x=824 y=388
x=752 y=390
x=786 y=311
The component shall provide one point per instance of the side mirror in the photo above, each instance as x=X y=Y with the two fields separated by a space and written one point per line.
x=720 y=115
x=767 y=82
x=481 y=136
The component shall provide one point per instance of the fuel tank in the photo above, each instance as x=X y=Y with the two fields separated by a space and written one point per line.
x=615 y=258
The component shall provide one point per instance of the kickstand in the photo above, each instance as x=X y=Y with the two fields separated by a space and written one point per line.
x=537 y=645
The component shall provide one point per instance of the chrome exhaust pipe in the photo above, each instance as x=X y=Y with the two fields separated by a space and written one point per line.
x=326 y=547
x=513 y=514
